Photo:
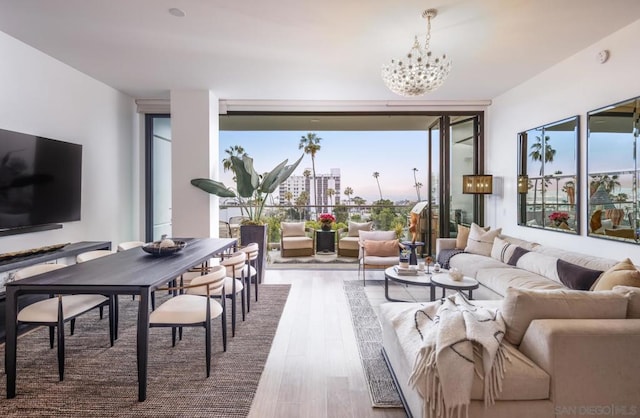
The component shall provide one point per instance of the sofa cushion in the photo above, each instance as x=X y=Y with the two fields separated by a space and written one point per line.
x=584 y=260
x=355 y=227
x=541 y=264
x=386 y=248
x=295 y=243
x=292 y=229
x=481 y=241
x=463 y=236
x=471 y=264
x=500 y=279
x=622 y=274
x=521 y=306
x=633 y=298
x=349 y=243
x=523 y=379
x=576 y=277
x=376 y=235
x=502 y=250
x=527 y=245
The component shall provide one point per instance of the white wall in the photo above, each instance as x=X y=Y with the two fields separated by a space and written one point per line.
x=575 y=86
x=42 y=96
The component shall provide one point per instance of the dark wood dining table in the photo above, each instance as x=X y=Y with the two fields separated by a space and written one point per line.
x=131 y=272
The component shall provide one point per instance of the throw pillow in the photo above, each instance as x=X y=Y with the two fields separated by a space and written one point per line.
x=388 y=248
x=502 y=250
x=515 y=256
x=622 y=274
x=521 y=306
x=481 y=241
x=355 y=227
x=633 y=296
x=292 y=229
x=463 y=236
x=376 y=235
x=576 y=277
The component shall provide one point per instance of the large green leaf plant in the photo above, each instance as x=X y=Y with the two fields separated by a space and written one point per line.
x=251 y=189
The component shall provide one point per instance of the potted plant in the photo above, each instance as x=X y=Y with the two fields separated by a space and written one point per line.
x=326 y=220
x=251 y=193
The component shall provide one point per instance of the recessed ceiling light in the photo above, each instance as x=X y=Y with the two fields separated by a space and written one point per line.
x=174 y=11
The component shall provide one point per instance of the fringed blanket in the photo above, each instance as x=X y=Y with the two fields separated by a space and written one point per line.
x=450 y=332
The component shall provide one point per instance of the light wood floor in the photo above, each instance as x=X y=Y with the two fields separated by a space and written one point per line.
x=314 y=367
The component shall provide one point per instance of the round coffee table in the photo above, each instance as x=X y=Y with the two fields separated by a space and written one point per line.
x=420 y=279
x=445 y=281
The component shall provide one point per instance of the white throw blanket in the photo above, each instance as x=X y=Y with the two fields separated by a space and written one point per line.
x=451 y=331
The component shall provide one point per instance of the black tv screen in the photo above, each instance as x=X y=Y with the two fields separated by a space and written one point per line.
x=40 y=180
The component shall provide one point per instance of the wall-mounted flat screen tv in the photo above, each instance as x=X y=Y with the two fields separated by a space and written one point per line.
x=40 y=180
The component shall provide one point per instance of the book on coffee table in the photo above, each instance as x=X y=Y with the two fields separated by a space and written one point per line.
x=401 y=271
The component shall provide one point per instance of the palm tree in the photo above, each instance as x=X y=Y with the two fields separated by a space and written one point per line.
x=302 y=201
x=415 y=182
x=330 y=193
x=376 y=175
x=288 y=196
x=538 y=154
x=418 y=187
x=358 y=201
x=232 y=151
x=348 y=191
x=311 y=145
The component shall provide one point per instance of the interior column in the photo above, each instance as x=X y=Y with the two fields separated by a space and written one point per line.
x=194 y=153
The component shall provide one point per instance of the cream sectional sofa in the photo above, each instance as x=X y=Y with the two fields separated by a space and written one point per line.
x=572 y=353
x=535 y=270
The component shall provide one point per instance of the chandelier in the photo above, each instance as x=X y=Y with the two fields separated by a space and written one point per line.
x=420 y=71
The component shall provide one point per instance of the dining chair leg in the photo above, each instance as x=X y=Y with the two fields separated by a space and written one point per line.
x=257 y=276
x=173 y=336
x=247 y=285
x=112 y=321
x=73 y=325
x=233 y=315
x=52 y=335
x=60 y=343
x=223 y=319
x=101 y=314
x=243 y=304
x=207 y=341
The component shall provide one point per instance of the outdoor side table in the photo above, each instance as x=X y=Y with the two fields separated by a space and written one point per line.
x=325 y=241
x=413 y=259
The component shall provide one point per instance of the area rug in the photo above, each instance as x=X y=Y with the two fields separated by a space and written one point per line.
x=369 y=337
x=276 y=258
x=102 y=381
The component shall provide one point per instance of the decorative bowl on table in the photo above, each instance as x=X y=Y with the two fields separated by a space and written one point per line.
x=455 y=274
x=164 y=247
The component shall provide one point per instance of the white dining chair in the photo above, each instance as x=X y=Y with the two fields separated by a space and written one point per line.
x=55 y=311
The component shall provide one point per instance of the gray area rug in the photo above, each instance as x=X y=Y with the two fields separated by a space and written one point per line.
x=369 y=337
x=102 y=381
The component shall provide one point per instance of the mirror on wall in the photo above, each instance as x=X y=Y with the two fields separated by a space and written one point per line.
x=612 y=169
x=548 y=181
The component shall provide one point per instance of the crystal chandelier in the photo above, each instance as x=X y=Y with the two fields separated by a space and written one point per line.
x=421 y=71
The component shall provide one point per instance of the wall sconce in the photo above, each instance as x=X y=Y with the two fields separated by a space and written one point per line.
x=477 y=184
x=523 y=184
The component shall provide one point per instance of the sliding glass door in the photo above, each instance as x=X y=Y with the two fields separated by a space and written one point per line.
x=158 y=176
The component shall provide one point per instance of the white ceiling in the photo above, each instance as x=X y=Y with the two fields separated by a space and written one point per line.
x=308 y=50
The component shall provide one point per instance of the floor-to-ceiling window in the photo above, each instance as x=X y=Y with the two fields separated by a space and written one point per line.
x=447 y=146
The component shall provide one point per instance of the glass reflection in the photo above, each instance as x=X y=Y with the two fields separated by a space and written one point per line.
x=612 y=161
x=548 y=176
